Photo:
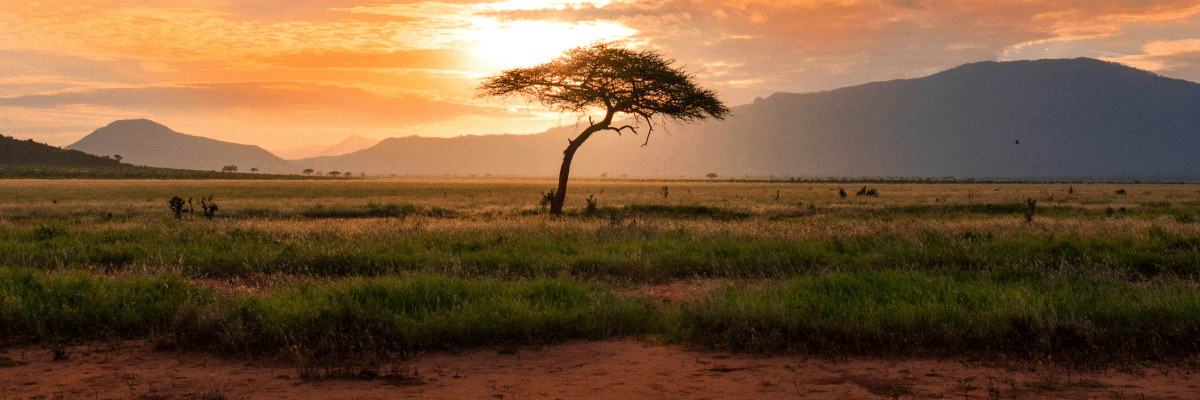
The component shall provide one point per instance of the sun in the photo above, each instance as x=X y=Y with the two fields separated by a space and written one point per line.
x=524 y=43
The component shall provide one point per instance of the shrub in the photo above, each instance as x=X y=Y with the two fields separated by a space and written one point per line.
x=591 y=206
x=547 y=198
x=176 y=204
x=210 y=208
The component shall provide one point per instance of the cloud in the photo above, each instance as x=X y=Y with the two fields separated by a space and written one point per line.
x=298 y=101
x=339 y=58
x=404 y=64
x=804 y=45
x=1164 y=56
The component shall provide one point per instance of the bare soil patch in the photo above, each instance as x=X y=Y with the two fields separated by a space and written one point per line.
x=614 y=369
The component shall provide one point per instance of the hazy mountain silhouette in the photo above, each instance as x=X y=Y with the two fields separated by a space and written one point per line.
x=30 y=153
x=1020 y=119
x=145 y=142
x=351 y=144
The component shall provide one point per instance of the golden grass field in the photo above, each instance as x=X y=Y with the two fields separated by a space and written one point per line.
x=816 y=210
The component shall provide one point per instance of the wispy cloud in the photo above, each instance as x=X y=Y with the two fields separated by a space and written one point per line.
x=1164 y=55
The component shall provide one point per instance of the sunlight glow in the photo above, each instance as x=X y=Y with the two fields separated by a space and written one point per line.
x=527 y=43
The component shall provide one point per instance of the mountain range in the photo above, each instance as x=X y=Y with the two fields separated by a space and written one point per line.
x=349 y=145
x=1019 y=119
x=145 y=142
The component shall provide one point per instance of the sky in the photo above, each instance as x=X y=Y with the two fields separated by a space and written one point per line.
x=287 y=73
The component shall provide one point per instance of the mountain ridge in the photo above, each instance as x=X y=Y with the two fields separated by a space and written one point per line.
x=145 y=142
x=989 y=120
x=1014 y=119
x=350 y=144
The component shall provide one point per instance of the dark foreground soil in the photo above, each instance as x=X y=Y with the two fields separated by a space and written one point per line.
x=616 y=369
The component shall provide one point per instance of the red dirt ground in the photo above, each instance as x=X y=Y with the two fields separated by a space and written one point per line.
x=614 y=369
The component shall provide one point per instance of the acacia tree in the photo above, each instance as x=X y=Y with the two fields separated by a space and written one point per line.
x=604 y=77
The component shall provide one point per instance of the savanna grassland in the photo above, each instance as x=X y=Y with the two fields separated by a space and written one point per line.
x=1090 y=272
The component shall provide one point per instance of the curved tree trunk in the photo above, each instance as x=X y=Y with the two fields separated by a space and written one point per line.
x=560 y=196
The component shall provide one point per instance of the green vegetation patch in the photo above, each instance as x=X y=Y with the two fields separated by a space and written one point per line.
x=625 y=251
x=885 y=312
x=426 y=312
x=379 y=314
x=80 y=305
x=862 y=313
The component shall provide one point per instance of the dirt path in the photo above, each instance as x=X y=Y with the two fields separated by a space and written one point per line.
x=617 y=369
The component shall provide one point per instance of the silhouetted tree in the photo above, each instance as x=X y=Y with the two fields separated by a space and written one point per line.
x=229 y=168
x=308 y=171
x=118 y=158
x=617 y=81
x=334 y=173
x=711 y=175
x=254 y=170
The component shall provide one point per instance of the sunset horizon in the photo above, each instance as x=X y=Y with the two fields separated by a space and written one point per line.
x=599 y=199
x=314 y=73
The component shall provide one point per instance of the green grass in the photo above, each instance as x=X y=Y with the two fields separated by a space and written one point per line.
x=600 y=250
x=78 y=305
x=911 y=312
x=344 y=316
x=409 y=264
x=878 y=313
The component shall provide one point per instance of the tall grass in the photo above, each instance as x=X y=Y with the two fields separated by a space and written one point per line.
x=650 y=251
x=910 y=312
x=344 y=316
x=890 y=312
x=421 y=263
x=79 y=305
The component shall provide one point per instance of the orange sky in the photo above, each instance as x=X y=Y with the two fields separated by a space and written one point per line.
x=287 y=73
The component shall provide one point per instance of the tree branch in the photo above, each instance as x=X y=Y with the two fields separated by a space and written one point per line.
x=649 y=129
x=618 y=130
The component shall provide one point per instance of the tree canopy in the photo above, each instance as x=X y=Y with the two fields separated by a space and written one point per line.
x=611 y=79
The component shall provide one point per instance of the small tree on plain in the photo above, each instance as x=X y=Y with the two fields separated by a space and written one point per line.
x=308 y=171
x=711 y=175
x=334 y=173
x=616 y=81
x=118 y=158
x=254 y=170
x=229 y=168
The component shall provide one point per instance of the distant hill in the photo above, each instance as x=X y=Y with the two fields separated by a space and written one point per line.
x=29 y=152
x=145 y=142
x=1020 y=119
x=27 y=159
x=351 y=144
